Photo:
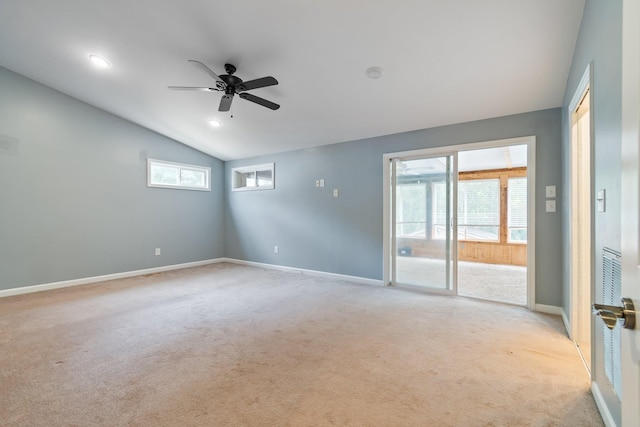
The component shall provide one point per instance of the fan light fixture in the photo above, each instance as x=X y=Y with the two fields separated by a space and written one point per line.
x=99 y=61
x=214 y=123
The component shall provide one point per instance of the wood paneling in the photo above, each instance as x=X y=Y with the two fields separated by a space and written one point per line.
x=493 y=252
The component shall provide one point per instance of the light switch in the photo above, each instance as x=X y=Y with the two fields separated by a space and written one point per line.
x=551 y=191
x=335 y=192
x=601 y=198
x=322 y=183
x=551 y=206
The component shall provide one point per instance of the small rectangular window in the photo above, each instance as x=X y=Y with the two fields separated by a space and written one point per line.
x=255 y=177
x=165 y=174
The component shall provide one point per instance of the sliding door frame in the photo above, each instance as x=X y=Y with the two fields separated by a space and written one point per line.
x=388 y=211
x=450 y=228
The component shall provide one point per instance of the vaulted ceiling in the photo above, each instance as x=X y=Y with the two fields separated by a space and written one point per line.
x=442 y=62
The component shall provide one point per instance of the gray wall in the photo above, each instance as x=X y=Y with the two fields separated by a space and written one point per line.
x=600 y=41
x=344 y=235
x=73 y=195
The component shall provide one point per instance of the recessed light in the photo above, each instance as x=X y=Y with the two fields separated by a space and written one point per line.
x=374 y=72
x=214 y=123
x=99 y=61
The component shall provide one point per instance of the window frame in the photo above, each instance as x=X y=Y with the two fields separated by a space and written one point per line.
x=235 y=185
x=180 y=166
x=504 y=175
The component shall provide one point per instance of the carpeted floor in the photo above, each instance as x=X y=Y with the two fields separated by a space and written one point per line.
x=230 y=345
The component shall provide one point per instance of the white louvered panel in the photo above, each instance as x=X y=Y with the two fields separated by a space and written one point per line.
x=611 y=294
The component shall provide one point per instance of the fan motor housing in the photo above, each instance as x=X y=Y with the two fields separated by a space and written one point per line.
x=230 y=80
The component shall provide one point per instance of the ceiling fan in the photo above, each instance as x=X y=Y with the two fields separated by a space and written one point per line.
x=230 y=85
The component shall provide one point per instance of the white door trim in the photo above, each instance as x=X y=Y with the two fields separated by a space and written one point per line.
x=585 y=83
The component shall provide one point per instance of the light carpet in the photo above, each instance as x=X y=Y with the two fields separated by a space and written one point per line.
x=230 y=345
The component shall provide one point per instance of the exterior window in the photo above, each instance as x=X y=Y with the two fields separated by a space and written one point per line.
x=165 y=174
x=479 y=210
x=517 y=210
x=256 y=177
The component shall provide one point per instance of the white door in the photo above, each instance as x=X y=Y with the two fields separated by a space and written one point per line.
x=630 y=339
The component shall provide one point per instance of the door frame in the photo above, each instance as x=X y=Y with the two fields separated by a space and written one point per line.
x=453 y=254
x=530 y=141
x=576 y=262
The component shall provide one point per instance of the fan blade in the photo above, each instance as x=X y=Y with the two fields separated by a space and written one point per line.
x=225 y=102
x=203 y=89
x=207 y=70
x=257 y=83
x=259 y=101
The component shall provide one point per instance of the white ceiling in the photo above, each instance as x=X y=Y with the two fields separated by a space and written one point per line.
x=444 y=62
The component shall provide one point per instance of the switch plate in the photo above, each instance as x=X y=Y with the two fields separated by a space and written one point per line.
x=551 y=191
x=317 y=183
x=276 y=249
x=551 y=206
x=601 y=199
x=157 y=251
x=322 y=183
x=336 y=193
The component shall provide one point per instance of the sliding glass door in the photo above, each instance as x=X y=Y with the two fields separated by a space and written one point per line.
x=423 y=240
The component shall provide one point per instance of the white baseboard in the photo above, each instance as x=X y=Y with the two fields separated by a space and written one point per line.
x=87 y=280
x=602 y=406
x=549 y=309
x=567 y=325
x=354 y=279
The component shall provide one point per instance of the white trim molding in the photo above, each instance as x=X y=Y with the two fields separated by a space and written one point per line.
x=335 y=276
x=549 y=309
x=87 y=280
x=607 y=418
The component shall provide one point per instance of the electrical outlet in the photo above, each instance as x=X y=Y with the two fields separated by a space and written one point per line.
x=157 y=251
x=276 y=249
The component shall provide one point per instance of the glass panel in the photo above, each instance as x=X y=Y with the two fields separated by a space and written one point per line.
x=479 y=210
x=193 y=178
x=264 y=178
x=165 y=175
x=423 y=201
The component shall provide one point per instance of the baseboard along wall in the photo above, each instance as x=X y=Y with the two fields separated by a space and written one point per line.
x=316 y=273
x=95 y=279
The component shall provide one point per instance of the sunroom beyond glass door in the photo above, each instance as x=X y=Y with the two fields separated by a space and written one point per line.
x=423 y=248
